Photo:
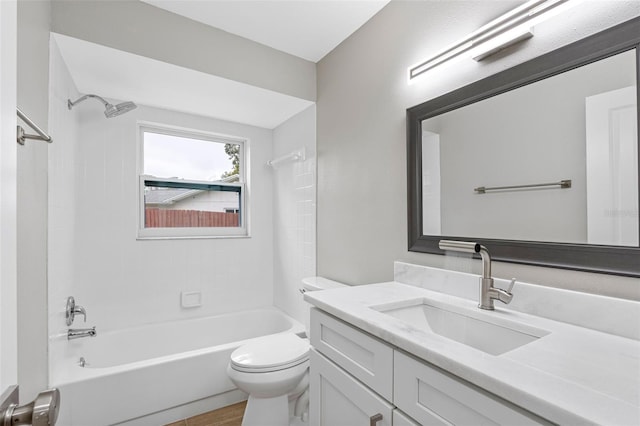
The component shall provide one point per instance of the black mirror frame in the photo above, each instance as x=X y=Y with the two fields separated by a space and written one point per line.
x=616 y=260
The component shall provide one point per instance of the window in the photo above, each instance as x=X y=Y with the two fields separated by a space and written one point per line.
x=192 y=184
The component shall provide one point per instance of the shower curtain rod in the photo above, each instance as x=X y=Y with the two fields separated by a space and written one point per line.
x=299 y=155
x=21 y=136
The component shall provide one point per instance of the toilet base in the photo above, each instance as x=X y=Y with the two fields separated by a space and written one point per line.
x=267 y=411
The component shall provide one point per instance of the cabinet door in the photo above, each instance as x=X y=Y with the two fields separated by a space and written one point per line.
x=338 y=399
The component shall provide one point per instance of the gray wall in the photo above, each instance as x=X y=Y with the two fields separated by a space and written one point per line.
x=362 y=97
x=33 y=99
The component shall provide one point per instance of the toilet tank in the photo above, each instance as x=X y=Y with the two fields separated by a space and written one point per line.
x=315 y=284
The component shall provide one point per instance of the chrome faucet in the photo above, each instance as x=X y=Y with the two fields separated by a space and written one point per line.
x=77 y=333
x=73 y=310
x=488 y=293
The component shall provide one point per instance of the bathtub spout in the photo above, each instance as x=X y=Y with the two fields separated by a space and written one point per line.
x=77 y=333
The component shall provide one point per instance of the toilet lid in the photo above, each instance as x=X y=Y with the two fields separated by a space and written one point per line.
x=271 y=353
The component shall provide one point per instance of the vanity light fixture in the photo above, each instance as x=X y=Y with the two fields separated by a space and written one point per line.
x=510 y=28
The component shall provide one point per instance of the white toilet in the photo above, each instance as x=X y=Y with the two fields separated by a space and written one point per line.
x=274 y=371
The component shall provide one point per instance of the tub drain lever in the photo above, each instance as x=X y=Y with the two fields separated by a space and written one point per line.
x=42 y=411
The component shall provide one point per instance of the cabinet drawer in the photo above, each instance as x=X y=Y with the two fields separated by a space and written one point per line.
x=366 y=358
x=427 y=393
x=337 y=399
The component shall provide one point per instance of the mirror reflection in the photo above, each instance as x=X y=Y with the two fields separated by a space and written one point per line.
x=578 y=126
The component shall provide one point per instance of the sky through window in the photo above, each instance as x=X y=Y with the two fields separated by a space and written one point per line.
x=168 y=156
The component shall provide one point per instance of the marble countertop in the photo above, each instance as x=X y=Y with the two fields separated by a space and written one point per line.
x=571 y=375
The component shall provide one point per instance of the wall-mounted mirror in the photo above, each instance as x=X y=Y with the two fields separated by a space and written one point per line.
x=538 y=162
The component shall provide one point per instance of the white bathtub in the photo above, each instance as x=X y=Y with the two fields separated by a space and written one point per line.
x=137 y=372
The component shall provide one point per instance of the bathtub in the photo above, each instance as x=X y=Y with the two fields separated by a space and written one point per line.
x=133 y=376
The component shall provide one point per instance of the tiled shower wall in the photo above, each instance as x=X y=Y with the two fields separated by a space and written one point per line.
x=62 y=198
x=93 y=251
x=294 y=219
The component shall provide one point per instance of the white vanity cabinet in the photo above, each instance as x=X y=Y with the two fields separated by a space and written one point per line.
x=359 y=380
x=351 y=377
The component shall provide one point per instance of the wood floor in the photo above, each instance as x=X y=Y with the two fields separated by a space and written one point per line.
x=226 y=416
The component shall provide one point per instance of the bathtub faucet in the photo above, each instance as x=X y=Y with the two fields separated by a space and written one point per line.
x=77 y=333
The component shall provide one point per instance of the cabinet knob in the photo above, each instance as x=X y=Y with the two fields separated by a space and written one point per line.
x=375 y=419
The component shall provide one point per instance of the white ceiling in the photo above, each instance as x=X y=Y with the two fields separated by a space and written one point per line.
x=115 y=74
x=308 y=29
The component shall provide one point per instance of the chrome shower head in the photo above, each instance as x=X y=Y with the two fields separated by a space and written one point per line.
x=119 y=109
x=110 y=109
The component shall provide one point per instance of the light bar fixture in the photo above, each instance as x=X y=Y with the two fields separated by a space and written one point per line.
x=510 y=28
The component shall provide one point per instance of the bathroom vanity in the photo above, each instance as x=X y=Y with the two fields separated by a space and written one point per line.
x=366 y=375
x=419 y=351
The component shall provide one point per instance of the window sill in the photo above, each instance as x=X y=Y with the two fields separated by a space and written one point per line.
x=190 y=233
x=191 y=237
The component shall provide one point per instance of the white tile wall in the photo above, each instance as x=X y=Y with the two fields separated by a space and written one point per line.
x=93 y=251
x=61 y=197
x=294 y=218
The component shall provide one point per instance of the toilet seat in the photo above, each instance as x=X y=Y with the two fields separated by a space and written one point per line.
x=270 y=353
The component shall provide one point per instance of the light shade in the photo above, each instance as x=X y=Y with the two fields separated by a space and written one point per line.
x=509 y=28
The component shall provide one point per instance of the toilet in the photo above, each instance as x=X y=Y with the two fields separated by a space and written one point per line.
x=274 y=371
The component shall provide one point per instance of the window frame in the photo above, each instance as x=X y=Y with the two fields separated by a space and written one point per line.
x=241 y=231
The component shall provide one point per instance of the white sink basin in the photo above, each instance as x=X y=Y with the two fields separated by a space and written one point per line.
x=494 y=336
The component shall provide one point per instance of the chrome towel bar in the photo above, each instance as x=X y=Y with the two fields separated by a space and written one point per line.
x=21 y=135
x=562 y=184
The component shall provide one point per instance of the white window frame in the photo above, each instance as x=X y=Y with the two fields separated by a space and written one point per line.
x=241 y=231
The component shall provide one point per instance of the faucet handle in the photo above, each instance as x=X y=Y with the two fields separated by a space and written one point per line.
x=73 y=310
x=505 y=296
x=79 y=310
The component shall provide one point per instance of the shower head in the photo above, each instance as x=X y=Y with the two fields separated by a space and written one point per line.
x=119 y=109
x=110 y=109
